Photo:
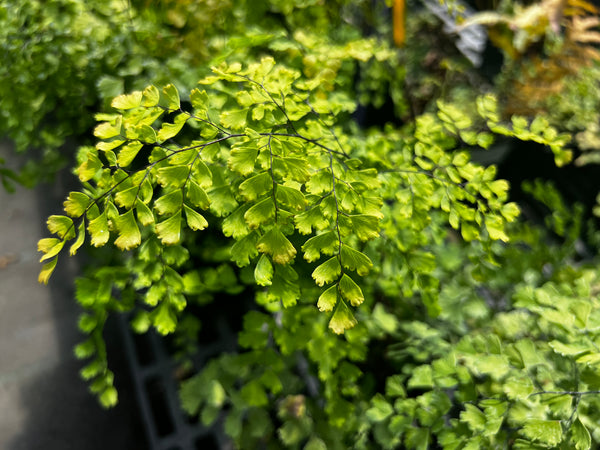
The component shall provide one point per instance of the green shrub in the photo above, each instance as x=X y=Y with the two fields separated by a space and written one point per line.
x=62 y=61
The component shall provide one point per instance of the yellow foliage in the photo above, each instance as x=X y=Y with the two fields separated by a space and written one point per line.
x=538 y=73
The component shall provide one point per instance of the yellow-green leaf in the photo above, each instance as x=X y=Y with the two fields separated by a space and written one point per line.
x=350 y=291
x=326 y=243
x=144 y=214
x=197 y=196
x=580 y=435
x=199 y=99
x=495 y=227
x=195 y=220
x=109 y=145
x=169 y=231
x=510 y=211
x=327 y=272
x=244 y=249
x=328 y=299
x=365 y=226
x=256 y=186
x=168 y=130
x=50 y=247
x=79 y=241
x=98 y=229
x=291 y=197
x=170 y=98
x=62 y=226
x=76 y=204
x=343 y=318
x=164 y=319
x=355 y=260
x=243 y=158
x=274 y=243
x=260 y=213
x=127 y=197
x=234 y=119
x=169 y=203
x=544 y=431
x=128 y=153
x=263 y=272
x=127 y=101
x=234 y=225
x=46 y=271
x=150 y=96
x=144 y=133
x=90 y=166
x=107 y=130
x=129 y=233
x=174 y=176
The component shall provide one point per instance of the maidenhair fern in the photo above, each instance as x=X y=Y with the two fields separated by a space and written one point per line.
x=266 y=154
x=269 y=159
x=389 y=295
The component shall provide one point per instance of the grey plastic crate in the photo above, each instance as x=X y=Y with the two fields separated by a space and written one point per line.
x=155 y=379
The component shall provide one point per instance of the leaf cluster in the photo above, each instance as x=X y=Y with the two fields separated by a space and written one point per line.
x=275 y=170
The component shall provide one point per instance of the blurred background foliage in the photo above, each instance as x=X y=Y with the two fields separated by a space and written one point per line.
x=63 y=60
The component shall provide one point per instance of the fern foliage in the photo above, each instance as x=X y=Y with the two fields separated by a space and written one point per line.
x=316 y=214
x=273 y=166
x=397 y=298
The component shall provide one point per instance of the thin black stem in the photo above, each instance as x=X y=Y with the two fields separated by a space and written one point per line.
x=574 y=393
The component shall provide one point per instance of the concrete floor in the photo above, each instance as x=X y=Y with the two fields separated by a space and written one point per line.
x=43 y=402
